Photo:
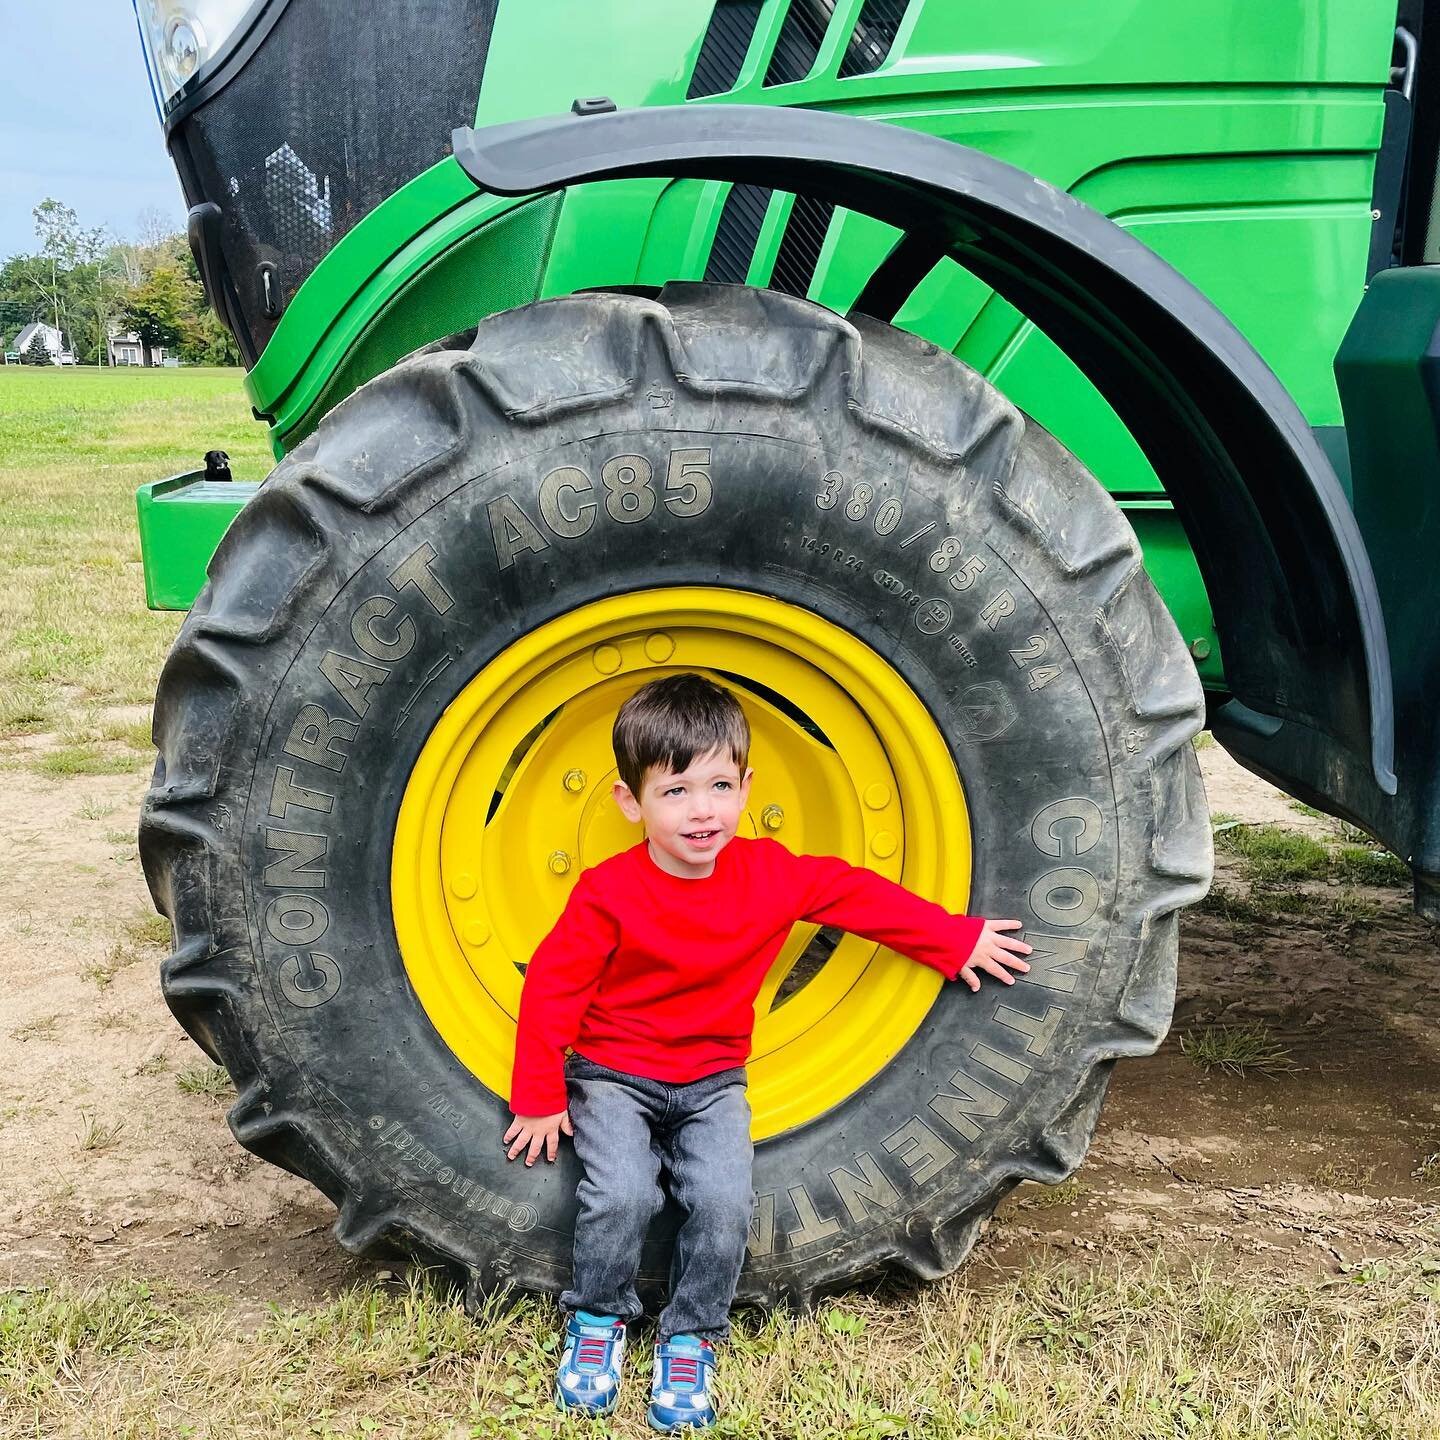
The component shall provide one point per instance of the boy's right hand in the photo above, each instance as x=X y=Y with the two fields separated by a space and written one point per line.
x=537 y=1132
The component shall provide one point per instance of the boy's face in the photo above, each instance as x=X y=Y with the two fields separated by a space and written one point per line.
x=691 y=816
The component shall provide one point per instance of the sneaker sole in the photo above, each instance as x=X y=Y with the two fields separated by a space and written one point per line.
x=666 y=1427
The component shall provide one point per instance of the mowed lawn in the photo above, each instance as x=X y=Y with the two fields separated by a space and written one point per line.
x=1133 y=1342
x=75 y=636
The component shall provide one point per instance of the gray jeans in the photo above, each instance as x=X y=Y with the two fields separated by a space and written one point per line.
x=627 y=1129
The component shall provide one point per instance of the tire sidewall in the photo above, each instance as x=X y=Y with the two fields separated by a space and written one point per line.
x=1056 y=838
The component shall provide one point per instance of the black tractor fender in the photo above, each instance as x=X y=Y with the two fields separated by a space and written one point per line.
x=1283 y=560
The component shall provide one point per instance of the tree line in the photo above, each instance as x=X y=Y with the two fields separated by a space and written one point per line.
x=88 y=284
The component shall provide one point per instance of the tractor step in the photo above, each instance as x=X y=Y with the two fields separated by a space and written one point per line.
x=182 y=520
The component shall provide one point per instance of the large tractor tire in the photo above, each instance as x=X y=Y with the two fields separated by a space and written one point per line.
x=384 y=759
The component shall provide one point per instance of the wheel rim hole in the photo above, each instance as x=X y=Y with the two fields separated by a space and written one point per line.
x=525 y=745
x=782 y=703
x=809 y=965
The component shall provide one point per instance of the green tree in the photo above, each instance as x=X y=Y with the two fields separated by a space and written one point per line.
x=206 y=341
x=58 y=228
x=24 y=288
x=157 y=308
x=36 y=352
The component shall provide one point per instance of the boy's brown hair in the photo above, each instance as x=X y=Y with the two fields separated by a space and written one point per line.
x=671 y=722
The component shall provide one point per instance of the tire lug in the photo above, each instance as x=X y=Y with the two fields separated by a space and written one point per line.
x=877 y=796
x=477 y=932
x=463 y=885
x=772 y=817
x=883 y=845
x=559 y=862
x=606 y=659
x=575 y=781
x=659 y=647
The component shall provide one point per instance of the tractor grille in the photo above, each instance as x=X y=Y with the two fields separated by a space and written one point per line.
x=799 y=41
x=800 y=249
x=338 y=107
x=875 y=32
x=735 y=237
x=723 y=51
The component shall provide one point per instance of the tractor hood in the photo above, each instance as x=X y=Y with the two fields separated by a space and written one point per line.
x=296 y=121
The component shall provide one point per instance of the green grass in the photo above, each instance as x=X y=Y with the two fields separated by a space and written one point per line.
x=1125 y=1348
x=1263 y=907
x=84 y=760
x=121 y=956
x=211 y=1081
x=1363 y=866
x=97 y=1134
x=1236 y=1049
x=74 y=445
x=46 y=1335
x=147 y=928
x=1049 y=1197
x=1271 y=855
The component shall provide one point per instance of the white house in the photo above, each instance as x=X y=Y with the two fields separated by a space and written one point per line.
x=125 y=349
x=53 y=340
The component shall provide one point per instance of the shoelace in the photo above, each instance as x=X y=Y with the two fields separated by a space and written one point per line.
x=590 y=1353
x=680 y=1371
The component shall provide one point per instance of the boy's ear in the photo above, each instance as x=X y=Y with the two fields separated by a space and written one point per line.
x=745 y=780
x=625 y=799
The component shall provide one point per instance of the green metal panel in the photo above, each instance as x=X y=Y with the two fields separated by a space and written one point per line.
x=1236 y=139
x=182 y=520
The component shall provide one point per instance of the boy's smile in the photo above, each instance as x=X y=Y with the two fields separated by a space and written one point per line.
x=689 y=816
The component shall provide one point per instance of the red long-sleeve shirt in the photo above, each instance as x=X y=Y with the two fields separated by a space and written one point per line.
x=656 y=975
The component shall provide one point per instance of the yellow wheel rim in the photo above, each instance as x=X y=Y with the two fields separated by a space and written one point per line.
x=510 y=799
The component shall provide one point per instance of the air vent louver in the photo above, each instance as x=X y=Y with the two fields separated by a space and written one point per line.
x=738 y=230
x=875 y=33
x=800 y=249
x=723 y=50
x=799 y=41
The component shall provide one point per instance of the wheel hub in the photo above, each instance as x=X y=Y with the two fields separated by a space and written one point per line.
x=510 y=799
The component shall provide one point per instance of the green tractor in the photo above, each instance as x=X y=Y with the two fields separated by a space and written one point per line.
x=992 y=395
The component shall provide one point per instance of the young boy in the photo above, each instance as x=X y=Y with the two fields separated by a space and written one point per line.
x=651 y=974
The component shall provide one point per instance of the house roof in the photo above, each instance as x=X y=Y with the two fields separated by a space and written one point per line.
x=48 y=333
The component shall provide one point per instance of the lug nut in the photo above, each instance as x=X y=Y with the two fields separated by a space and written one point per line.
x=772 y=817
x=559 y=863
x=575 y=781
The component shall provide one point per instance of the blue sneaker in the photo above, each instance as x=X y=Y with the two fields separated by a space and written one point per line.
x=680 y=1388
x=589 y=1377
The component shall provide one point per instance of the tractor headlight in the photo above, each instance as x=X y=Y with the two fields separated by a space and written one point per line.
x=182 y=37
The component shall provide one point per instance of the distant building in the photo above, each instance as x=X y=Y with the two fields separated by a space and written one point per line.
x=124 y=348
x=53 y=340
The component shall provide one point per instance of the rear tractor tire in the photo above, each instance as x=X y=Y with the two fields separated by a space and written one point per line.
x=383 y=737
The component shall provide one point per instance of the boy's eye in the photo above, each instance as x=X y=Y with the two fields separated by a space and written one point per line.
x=675 y=790
x=722 y=784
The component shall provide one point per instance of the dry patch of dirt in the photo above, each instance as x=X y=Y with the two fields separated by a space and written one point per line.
x=1322 y=1163
x=109 y=1166
x=106 y=1164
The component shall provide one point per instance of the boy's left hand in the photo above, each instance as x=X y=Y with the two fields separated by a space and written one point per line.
x=994 y=951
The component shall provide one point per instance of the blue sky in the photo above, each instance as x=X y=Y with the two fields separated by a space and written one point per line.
x=78 y=122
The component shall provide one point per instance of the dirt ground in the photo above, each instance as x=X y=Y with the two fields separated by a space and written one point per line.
x=109 y=1165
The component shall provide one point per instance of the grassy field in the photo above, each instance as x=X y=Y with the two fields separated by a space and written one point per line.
x=75 y=637
x=1114 y=1353
x=1138 y=1338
